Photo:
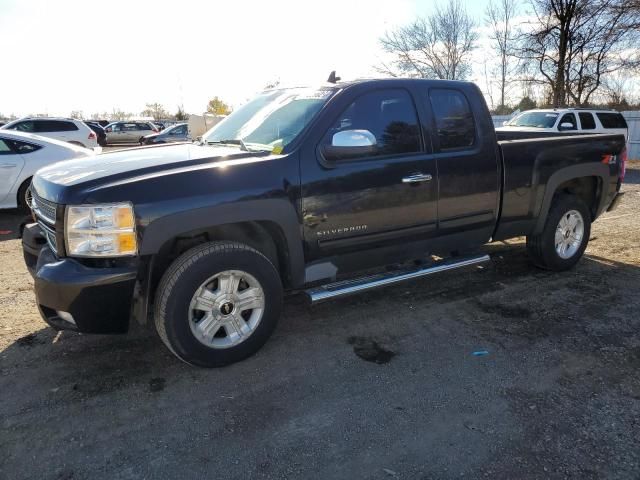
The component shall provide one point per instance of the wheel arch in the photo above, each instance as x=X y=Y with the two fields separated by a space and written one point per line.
x=269 y=226
x=19 y=193
x=588 y=182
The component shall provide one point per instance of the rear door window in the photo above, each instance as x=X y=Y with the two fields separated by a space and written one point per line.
x=5 y=149
x=23 y=147
x=612 y=120
x=454 y=121
x=54 y=126
x=587 y=121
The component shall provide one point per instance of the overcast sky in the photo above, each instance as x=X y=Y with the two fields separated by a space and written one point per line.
x=64 y=55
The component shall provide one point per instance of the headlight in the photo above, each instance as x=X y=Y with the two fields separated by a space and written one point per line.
x=100 y=231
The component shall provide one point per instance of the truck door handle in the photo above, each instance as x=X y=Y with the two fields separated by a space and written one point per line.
x=7 y=165
x=417 y=178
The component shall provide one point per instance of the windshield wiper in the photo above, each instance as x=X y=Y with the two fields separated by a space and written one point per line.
x=233 y=141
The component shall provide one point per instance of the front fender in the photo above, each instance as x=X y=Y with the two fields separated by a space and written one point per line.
x=280 y=211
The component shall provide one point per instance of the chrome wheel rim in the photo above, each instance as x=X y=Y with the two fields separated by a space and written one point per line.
x=569 y=234
x=28 y=197
x=226 y=309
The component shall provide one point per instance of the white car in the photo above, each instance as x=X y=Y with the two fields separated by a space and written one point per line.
x=21 y=154
x=569 y=120
x=64 y=129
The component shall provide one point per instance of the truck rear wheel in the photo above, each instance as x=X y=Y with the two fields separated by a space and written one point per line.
x=565 y=235
x=218 y=303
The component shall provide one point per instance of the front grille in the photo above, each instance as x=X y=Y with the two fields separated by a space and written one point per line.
x=45 y=212
x=50 y=235
x=44 y=209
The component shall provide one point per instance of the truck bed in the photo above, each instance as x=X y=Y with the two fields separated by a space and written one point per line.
x=531 y=161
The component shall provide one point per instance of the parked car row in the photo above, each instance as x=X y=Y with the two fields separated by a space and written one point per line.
x=92 y=133
x=63 y=129
x=28 y=144
x=21 y=155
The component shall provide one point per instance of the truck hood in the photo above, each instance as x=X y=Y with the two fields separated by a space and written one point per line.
x=49 y=182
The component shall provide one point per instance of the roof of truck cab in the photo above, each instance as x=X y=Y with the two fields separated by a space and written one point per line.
x=359 y=81
x=362 y=81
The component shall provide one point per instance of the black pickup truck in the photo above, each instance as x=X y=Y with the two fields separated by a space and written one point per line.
x=304 y=189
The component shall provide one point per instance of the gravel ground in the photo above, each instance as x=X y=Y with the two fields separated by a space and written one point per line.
x=383 y=385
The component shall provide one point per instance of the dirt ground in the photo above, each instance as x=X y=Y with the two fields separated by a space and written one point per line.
x=382 y=385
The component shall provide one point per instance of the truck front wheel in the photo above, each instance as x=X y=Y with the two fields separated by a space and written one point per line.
x=218 y=303
x=564 y=237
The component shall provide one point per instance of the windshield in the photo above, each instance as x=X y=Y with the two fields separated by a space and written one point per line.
x=270 y=121
x=534 y=119
x=172 y=128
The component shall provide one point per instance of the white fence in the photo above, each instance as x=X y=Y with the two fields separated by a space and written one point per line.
x=632 y=118
x=633 y=146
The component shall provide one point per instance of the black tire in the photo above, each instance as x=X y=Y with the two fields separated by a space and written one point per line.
x=186 y=274
x=22 y=195
x=542 y=248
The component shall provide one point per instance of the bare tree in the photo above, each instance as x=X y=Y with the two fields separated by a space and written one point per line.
x=634 y=6
x=500 y=19
x=100 y=115
x=117 y=114
x=77 y=114
x=272 y=84
x=574 y=44
x=435 y=46
x=155 y=110
x=180 y=114
x=618 y=92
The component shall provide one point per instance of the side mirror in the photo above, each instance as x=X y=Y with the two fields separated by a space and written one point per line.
x=108 y=130
x=505 y=122
x=566 y=126
x=350 y=144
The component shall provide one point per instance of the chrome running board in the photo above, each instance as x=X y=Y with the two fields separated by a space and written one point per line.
x=357 y=285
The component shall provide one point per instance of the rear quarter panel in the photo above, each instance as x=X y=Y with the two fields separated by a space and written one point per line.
x=534 y=168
